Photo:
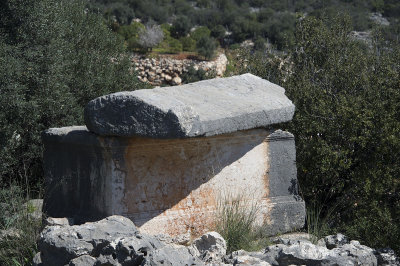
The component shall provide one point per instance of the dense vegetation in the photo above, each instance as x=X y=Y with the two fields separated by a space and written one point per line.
x=54 y=58
x=233 y=21
x=347 y=126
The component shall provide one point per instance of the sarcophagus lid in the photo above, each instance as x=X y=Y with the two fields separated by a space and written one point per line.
x=205 y=108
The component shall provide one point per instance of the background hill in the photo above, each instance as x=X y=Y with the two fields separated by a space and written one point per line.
x=233 y=21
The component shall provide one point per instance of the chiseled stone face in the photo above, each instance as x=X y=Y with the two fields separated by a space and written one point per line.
x=171 y=186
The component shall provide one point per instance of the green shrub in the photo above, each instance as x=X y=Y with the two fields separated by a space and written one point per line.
x=193 y=75
x=218 y=32
x=175 y=46
x=347 y=126
x=170 y=44
x=130 y=33
x=132 y=44
x=206 y=47
x=234 y=46
x=54 y=58
x=181 y=27
x=120 y=11
x=188 y=44
x=259 y=44
x=200 y=32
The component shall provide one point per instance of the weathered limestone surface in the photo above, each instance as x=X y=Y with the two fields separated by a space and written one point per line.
x=171 y=186
x=111 y=241
x=205 y=108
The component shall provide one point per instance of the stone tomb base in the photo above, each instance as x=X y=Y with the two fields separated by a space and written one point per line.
x=171 y=186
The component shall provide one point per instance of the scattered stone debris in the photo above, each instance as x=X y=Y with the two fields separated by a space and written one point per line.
x=116 y=241
x=159 y=71
x=112 y=241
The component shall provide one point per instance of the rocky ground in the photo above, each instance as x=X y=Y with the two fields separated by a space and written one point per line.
x=116 y=241
x=159 y=71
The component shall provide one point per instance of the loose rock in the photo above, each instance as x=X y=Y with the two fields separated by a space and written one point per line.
x=176 y=80
x=116 y=241
x=175 y=68
x=60 y=244
x=210 y=247
x=84 y=260
x=50 y=221
x=111 y=241
x=386 y=256
x=334 y=241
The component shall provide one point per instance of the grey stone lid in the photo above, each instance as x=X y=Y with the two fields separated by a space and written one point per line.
x=204 y=108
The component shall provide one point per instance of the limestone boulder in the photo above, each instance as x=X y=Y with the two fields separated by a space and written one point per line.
x=242 y=257
x=291 y=238
x=50 y=221
x=386 y=257
x=112 y=241
x=356 y=253
x=334 y=241
x=210 y=247
x=176 y=80
x=168 y=78
x=60 y=244
x=303 y=252
x=84 y=260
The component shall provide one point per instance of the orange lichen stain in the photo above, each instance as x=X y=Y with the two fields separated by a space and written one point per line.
x=196 y=213
x=267 y=214
x=167 y=181
x=161 y=176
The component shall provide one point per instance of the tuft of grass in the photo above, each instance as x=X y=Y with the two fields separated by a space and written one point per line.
x=19 y=229
x=235 y=222
x=317 y=224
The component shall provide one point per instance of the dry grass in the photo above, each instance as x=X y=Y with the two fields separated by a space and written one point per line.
x=18 y=245
x=235 y=221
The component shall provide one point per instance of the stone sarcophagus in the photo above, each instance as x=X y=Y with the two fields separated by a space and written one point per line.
x=168 y=157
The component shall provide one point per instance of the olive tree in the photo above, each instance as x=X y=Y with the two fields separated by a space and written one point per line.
x=54 y=58
x=151 y=36
x=206 y=47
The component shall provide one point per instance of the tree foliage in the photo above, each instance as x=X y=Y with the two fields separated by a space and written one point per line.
x=248 y=19
x=347 y=126
x=181 y=27
x=150 y=36
x=206 y=47
x=200 y=32
x=54 y=58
